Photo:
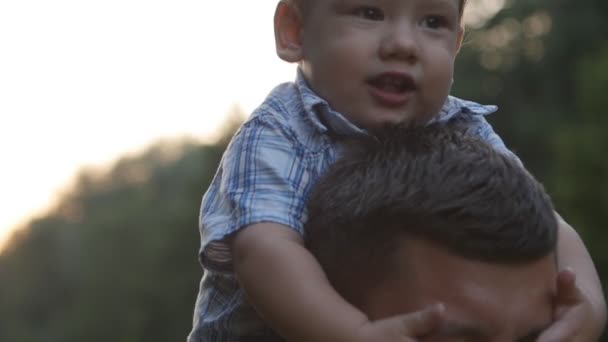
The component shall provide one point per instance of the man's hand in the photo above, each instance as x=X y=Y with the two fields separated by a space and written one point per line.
x=404 y=328
x=573 y=313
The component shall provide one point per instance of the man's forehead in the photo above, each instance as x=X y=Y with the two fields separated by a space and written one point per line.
x=482 y=299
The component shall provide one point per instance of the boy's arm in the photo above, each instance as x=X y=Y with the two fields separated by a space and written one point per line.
x=581 y=304
x=289 y=289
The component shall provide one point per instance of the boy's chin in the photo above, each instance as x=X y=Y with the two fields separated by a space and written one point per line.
x=405 y=121
x=380 y=127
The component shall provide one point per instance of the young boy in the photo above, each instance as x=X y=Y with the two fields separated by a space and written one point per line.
x=362 y=64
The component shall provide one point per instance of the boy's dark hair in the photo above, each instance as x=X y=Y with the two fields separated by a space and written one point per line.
x=434 y=183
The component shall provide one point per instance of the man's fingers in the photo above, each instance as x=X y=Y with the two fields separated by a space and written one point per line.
x=563 y=330
x=423 y=322
x=415 y=324
x=407 y=327
x=567 y=291
x=567 y=314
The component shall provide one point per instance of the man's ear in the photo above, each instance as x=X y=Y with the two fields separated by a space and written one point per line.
x=287 y=32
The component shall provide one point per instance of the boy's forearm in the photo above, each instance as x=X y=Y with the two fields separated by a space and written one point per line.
x=572 y=253
x=288 y=287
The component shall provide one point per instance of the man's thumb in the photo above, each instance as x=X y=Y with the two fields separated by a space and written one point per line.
x=423 y=322
x=568 y=292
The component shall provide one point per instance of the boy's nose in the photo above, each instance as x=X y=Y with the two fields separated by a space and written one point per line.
x=400 y=42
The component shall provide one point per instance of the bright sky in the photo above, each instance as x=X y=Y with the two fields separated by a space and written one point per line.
x=83 y=82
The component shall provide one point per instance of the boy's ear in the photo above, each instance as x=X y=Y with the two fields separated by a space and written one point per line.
x=459 y=38
x=287 y=32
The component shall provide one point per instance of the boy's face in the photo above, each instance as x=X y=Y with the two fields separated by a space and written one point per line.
x=380 y=61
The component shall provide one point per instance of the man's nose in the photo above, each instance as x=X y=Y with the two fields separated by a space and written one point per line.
x=400 y=41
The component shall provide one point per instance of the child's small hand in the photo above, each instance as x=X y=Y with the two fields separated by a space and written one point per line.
x=404 y=328
x=572 y=313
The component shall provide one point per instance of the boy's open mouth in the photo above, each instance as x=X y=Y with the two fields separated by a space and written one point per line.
x=393 y=82
x=392 y=89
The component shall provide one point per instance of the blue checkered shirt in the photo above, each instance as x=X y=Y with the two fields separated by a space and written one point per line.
x=266 y=175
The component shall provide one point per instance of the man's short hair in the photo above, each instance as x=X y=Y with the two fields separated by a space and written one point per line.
x=435 y=183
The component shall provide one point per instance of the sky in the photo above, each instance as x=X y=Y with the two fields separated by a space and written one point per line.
x=85 y=82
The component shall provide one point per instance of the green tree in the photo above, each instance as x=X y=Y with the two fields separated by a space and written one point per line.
x=116 y=260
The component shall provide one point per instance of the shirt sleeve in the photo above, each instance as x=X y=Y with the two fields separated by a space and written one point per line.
x=477 y=125
x=262 y=178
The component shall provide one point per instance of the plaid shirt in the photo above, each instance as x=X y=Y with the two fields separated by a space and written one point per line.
x=266 y=175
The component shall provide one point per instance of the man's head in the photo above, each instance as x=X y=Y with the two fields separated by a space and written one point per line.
x=429 y=215
x=376 y=62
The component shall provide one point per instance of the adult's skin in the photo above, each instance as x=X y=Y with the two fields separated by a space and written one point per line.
x=429 y=215
x=484 y=301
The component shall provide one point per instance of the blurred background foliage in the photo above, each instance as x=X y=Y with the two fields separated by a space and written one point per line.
x=116 y=259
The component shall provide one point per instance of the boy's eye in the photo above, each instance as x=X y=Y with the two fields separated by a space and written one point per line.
x=435 y=21
x=369 y=13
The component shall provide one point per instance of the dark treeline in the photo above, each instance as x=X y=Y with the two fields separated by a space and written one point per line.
x=116 y=259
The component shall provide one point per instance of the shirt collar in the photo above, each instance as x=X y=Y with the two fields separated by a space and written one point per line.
x=454 y=106
x=318 y=110
x=325 y=119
